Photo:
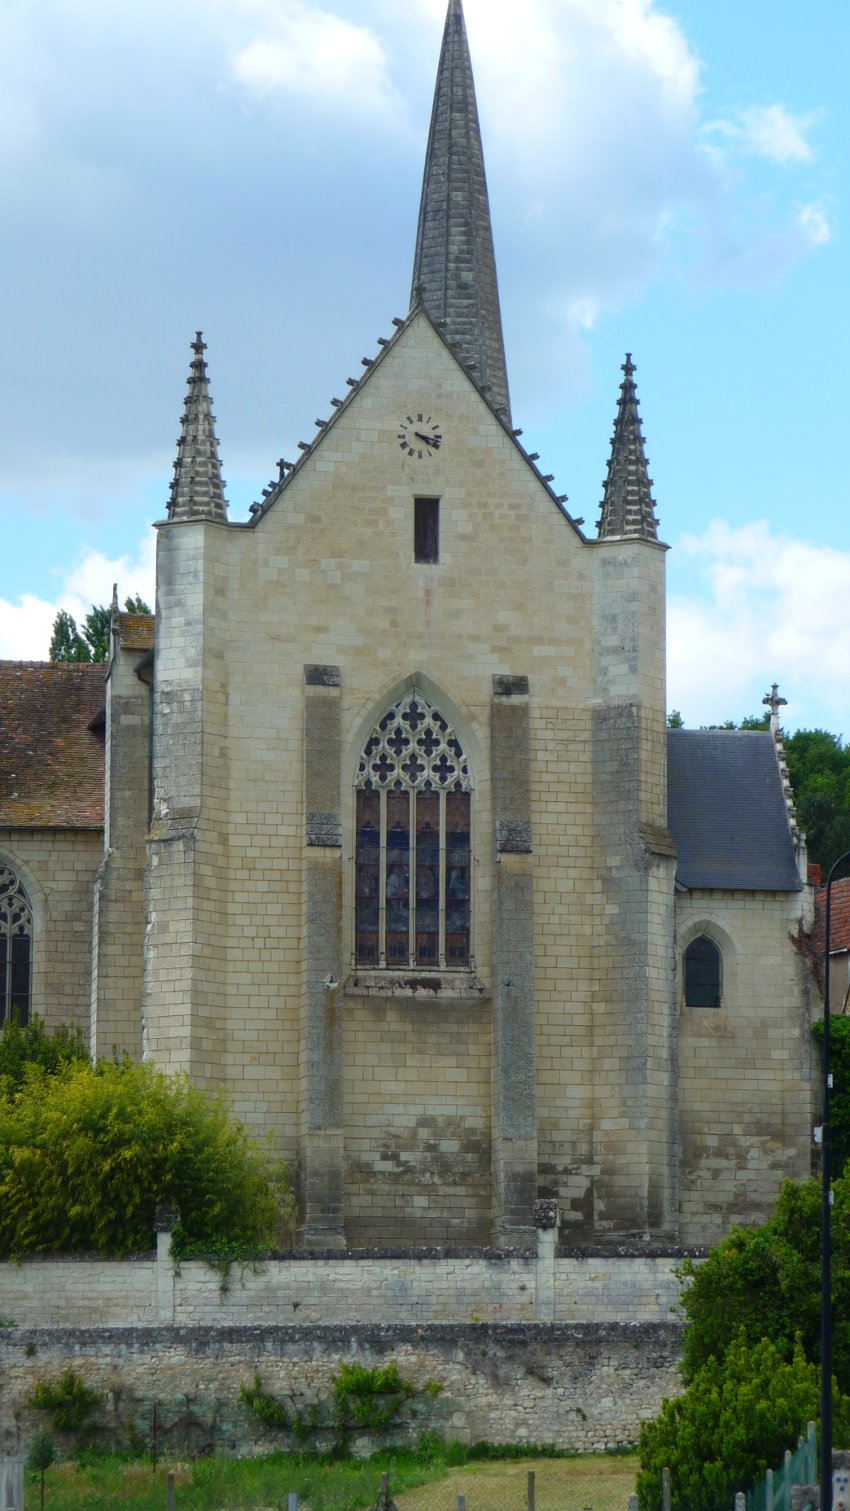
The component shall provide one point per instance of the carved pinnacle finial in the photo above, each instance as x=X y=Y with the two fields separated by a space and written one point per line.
x=773 y=701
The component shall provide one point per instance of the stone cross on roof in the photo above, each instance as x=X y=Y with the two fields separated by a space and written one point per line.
x=454 y=272
x=773 y=701
x=197 y=490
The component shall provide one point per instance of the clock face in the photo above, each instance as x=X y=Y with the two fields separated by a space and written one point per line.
x=419 y=435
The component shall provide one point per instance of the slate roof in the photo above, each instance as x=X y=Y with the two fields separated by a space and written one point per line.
x=726 y=812
x=51 y=762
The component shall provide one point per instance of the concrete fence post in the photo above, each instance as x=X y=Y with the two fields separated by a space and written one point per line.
x=665 y=1490
x=531 y=1491
x=740 y=1501
x=768 y=1490
x=11 y=1484
x=633 y=1503
x=170 y=1489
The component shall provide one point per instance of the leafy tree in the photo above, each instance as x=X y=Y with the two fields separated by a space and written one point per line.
x=32 y=1045
x=675 y=720
x=839 y=1105
x=734 y=1422
x=96 y=631
x=819 y=766
x=136 y=605
x=765 y=1283
x=67 y=644
x=88 y=1154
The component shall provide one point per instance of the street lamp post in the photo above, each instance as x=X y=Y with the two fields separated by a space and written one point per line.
x=826 y=1228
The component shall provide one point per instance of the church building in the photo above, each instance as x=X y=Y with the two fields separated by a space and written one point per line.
x=377 y=825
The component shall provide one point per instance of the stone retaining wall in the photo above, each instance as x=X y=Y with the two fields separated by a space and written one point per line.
x=585 y=1387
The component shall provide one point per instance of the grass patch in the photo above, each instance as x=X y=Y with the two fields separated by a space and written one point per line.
x=427 y=1480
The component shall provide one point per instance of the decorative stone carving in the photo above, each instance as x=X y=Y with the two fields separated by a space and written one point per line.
x=545 y=1214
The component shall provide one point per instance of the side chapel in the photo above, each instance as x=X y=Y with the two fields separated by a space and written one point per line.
x=378 y=826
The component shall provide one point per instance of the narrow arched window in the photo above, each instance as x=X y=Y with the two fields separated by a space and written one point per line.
x=413 y=877
x=15 y=949
x=703 y=973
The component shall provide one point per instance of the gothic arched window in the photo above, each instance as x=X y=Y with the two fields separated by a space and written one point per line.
x=15 y=948
x=703 y=973
x=414 y=843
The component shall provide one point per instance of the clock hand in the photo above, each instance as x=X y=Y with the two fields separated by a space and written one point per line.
x=428 y=439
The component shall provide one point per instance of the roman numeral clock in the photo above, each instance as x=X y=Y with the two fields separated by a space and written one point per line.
x=419 y=436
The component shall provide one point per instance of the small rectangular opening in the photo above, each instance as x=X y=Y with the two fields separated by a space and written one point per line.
x=426 y=530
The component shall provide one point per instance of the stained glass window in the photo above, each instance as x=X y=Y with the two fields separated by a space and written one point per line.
x=413 y=849
x=15 y=948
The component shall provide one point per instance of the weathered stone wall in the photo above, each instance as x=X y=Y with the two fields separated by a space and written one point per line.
x=58 y=868
x=586 y=1388
x=745 y=1067
x=382 y=1289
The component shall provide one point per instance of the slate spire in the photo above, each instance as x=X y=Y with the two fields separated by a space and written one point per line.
x=197 y=490
x=628 y=508
x=454 y=272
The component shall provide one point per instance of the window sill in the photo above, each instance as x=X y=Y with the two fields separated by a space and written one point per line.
x=426 y=986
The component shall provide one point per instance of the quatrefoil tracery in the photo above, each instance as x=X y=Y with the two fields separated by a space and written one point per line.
x=413 y=746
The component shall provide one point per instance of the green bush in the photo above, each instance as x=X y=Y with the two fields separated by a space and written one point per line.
x=839 y=1102
x=734 y=1422
x=68 y=1400
x=88 y=1154
x=765 y=1283
x=32 y=1045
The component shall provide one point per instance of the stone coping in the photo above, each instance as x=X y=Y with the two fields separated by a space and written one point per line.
x=407 y=1256
x=340 y=1336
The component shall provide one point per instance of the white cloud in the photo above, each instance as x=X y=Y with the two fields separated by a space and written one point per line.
x=26 y=624
x=761 y=608
x=769 y=131
x=305 y=51
x=814 y=224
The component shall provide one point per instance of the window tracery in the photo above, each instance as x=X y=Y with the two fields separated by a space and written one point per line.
x=413 y=843
x=15 y=948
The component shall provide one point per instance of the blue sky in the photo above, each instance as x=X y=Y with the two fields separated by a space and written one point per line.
x=668 y=179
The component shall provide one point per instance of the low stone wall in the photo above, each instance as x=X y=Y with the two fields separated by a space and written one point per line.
x=380 y=1289
x=584 y=1387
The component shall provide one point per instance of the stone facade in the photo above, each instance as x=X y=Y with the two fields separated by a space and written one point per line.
x=434 y=1103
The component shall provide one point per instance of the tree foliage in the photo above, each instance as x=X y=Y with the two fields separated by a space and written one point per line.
x=839 y=1104
x=735 y=1421
x=765 y=1283
x=88 y=1154
x=68 y=644
x=32 y=1045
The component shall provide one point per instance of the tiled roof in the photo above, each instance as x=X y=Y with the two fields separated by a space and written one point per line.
x=136 y=631
x=839 y=916
x=51 y=762
x=726 y=812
